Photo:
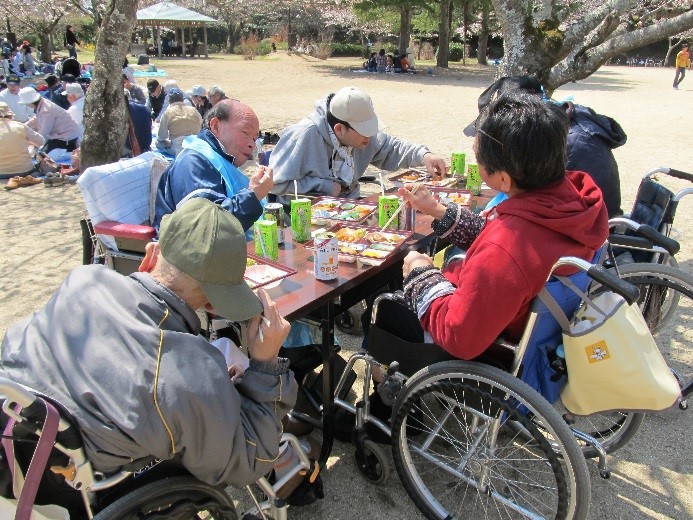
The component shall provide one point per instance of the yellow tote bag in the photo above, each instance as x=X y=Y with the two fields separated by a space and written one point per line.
x=613 y=361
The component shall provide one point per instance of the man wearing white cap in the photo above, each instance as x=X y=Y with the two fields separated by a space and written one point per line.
x=75 y=95
x=330 y=150
x=51 y=121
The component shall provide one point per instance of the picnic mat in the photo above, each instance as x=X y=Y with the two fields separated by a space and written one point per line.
x=145 y=73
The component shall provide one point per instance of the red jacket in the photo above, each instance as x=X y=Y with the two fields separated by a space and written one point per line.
x=509 y=262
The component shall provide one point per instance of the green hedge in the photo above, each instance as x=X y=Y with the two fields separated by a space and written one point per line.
x=347 y=49
x=456 y=52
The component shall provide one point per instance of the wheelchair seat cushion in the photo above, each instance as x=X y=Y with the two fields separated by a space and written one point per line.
x=120 y=230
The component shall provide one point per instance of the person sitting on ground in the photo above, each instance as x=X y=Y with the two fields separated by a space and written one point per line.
x=137 y=94
x=75 y=95
x=380 y=61
x=70 y=66
x=180 y=404
x=404 y=62
x=28 y=60
x=55 y=91
x=397 y=63
x=139 y=128
x=17 y=58
x=371 y=65
x=15 y=139
x=329 y=151
x=127 y=71
x=178 y=122
x=410 y=58
x=207 y=166
x=22 y=113
x=389 y=63
x=198 y=96
x=215 y=94
x=54 y=123
x=156 y=97
x=520 y=147
x=168 y=86
x=591 y=138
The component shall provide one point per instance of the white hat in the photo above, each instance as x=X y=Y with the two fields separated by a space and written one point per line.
x=74 y=89
x=170 y=83
x=5 y=110
x=28 y=95
x=197 y=90
x=354 y=106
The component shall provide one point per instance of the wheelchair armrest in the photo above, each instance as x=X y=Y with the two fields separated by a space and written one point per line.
x=397 y=296
x=120 y=230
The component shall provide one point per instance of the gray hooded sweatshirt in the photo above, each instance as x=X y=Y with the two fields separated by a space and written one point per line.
x=124 y=356
x=305 y=153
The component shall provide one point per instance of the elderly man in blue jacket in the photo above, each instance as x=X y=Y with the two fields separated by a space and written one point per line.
x=208 y=166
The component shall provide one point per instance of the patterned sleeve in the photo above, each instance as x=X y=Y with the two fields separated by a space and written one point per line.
x=460 y=225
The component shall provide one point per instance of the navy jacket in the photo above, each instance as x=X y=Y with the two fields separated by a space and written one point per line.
x=591 y=138
x=192 y=175
x=142 y=122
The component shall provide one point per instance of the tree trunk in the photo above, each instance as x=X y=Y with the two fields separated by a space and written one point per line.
x=443 y=34
x=465 y=22
x=404 y=27
x=46 y=47
x=105 y=112
x=482 y=48
x=671 y=55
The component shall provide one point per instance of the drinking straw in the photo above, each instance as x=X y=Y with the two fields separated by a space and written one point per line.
x=262 y=244
x=382 y=185
x=401 y=207
x=296 y=189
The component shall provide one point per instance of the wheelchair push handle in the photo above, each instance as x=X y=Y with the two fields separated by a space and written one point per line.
x=629 y=291
x=659 y=239
x=16 y=393
x=599 y=274
x=681 y=175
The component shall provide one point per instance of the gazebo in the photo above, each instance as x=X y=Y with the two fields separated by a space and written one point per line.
x=168 y=14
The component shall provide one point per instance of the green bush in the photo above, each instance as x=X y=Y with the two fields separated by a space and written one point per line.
x=347 y=49
x=456 y=52
x=258 y=49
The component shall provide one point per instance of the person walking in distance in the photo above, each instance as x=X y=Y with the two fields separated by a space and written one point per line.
x=683 y=61
x=71 y=41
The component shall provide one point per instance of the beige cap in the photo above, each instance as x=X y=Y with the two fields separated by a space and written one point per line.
x=354 y=106
x=197 y=90
x=5 y=110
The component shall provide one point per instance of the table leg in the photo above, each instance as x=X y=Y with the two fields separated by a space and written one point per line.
x=327 y=325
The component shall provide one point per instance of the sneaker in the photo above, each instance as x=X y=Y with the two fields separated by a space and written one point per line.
x=12 y=184
x=48 y=180
x=58 y=179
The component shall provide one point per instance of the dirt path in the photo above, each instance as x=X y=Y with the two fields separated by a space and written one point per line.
x=653 y=475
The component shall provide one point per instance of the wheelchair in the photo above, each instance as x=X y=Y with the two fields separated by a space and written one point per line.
x=666 y=292
x=468 y=436
x=145 y=489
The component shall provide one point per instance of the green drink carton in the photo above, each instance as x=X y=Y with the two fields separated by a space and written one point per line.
x=457 y=164
x=473 y=179
x=300 y=219
x=266 y=244
x=388 y=206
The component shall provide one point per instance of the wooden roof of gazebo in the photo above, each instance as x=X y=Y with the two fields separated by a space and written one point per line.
x=168 y=14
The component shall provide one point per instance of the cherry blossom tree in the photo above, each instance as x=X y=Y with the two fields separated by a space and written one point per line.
x=40 y=17
x=562 y=40
x=105 y=112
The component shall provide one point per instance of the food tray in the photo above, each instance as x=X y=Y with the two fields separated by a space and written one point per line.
x=268 y=273
x=356 y=245
x=447 y=195
x=328 y=210
x=421 y=176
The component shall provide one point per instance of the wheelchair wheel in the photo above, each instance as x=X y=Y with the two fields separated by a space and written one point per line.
x=372 y=463
x=349 y=322
x=172 y=498
x=613 y=430
x=462 y=448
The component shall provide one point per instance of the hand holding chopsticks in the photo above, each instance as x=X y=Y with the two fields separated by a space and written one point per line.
x=401 y=206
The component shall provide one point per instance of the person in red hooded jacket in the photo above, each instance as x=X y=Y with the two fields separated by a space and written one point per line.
x=520 y=147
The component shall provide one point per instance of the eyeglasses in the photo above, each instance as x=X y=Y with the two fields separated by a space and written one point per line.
x=480 y=131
